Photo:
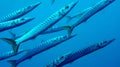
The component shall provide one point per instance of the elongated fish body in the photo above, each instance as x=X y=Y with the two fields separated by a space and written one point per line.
x=72 y=56
x=84 y=15
x=93 y=10
x=20 y=12
x=41 y=48
x=9 y=54
x=52 y=29
x=50 y=21
x=13 y=23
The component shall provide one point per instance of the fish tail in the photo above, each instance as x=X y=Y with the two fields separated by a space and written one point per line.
x=12 y=43
x=12 y=62
x=69 y=29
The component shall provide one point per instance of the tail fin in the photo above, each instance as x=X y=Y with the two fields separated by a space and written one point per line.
x=68 y=28
x=12 y=62
x=12 y=43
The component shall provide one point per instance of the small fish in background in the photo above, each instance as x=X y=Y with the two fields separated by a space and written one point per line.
x=37 y=30
x=48 y=44
x=14 y=23
x=72 y=56
x=20 y=12
x=9 y=54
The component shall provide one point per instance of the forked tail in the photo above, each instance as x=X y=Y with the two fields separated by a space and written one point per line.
x=12 y=43
x=68 y=28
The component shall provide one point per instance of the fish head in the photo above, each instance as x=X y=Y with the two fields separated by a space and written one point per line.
x=62 y=38
x=23 y=20
x=33 y=5
x=62 y=58
x=59 y=60
x=28 y=8
x=104 y=43
x=108 y=1
x=67 y=8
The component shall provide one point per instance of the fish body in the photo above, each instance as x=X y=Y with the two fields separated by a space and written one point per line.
x=50 y=21
x=93 y=10
x=14 y=23
x=53 y=29
x=83 y=15
x=9 y=54
x=41 y=48
x=20 y=12
x=72 y=56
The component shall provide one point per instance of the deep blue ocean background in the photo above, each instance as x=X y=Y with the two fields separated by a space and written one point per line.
x=104 y=25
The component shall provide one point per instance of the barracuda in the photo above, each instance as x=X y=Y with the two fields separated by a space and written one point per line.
x=10 y=54
x=50 y=21
x=41 y=48
x=83 y=16
x=93 y=10
x=13 y=23
x=72 y=56
x=20 y=12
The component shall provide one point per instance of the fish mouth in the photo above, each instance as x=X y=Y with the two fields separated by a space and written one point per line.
x=32 y=18
x=37 y=4
x=76 y=2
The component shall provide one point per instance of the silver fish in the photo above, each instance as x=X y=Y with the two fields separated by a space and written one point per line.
x=14 y=23
x=50 y=21
x=41 y=48
x=9 y=54
x=93 y=10
x=72 y=56
x=83 y=16
x=20 y=12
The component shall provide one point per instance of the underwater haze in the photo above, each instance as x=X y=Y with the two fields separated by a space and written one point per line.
x=102 y=26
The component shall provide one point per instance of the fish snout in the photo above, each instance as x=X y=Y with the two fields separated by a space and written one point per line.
x=37 y=4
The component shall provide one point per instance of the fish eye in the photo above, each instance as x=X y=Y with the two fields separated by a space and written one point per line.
x=22 y=19
x=105 y=42
x=99 y=44
x=13 y=23
x=54 y=40
x=28 y=7
x=64 y=37
x=18 y=12
x=66 y=7
x=62 y=57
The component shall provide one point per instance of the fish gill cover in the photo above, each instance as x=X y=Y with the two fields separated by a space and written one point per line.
x=65 y=26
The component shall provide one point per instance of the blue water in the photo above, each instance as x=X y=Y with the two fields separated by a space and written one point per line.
x=102 y=26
